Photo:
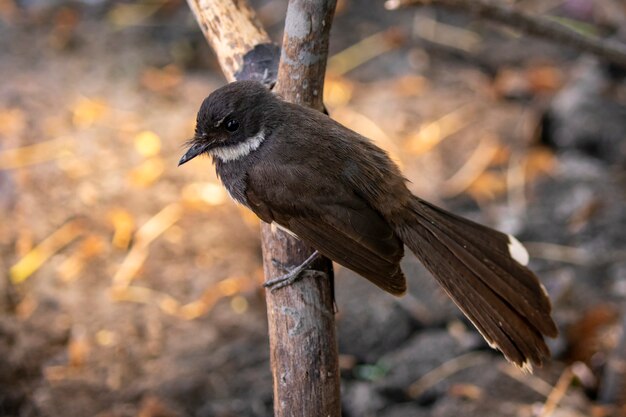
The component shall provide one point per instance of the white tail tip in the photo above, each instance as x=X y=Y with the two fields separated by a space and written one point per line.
x=518 y=251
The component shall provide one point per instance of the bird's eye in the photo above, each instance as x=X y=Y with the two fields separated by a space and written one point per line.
x=232 y=125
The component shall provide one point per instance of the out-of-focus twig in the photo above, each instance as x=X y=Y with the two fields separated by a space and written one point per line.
x=145 y=295
x=477 y=163
x=365 y=126
x=37 y=153
x=539 y=26
x=137 y=255
x=224 y=288
x=572 y=255
x=89 y=248
x=447 y=36
x=533 y=382
x=434 y=132
x=557 y=393
x=446 y=369
x=33 y=260
x=362 y=51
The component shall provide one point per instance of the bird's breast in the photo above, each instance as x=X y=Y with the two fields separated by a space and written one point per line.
x=233 y=175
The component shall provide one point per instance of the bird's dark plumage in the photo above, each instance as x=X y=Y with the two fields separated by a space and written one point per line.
x=342 y=194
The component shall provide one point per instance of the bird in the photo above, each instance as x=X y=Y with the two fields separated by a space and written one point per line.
x=334 y=189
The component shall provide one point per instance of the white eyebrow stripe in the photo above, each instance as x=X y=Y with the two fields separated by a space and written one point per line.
x=239 y=150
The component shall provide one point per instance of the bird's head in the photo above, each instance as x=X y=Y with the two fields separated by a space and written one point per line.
x=230 y=121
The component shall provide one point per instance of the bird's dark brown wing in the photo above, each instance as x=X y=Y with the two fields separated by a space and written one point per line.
x=346 y=230
x=341 y=236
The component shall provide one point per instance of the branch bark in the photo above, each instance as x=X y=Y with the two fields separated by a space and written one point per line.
x=232 y=30
x=303 y=347
x=538 y=26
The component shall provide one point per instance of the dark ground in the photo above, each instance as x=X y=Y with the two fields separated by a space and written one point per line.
x=131 y=288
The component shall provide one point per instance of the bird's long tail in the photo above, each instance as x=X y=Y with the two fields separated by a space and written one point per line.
x=484 y=273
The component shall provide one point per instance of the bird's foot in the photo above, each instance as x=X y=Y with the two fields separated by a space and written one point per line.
x=292 y=275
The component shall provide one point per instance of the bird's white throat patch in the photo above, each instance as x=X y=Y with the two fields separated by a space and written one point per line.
x=233 y=152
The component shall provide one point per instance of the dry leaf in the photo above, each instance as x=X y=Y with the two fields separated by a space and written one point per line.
x=56 y=373
x=77 y=351
x=432 y=133
x=525 y=83
x=88 y=111
x=106 y=337
x=75 y=168
x=409 y=85
x=132 y=14
x=24 y=242
x=337 y=91
x=488 y=186
x=239 y=304
x=540 y=161
x=147 y=172
x=90 y=247
x=87 y=193
x=588 y=335
x=8 y=10
x=147 y=143
x=512 y=83
x=124 y=226
x=474 y=167
x=65 y=22
x=26 y=306
x=154 y=407
x=161 y=80
x=12 y=122
x=545 y=78
x=466 y=391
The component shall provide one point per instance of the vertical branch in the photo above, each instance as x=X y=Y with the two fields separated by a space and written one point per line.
x=304 y=52
x=303 y=346
x=232 y=30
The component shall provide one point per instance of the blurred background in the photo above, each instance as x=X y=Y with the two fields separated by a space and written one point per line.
x=131 y=287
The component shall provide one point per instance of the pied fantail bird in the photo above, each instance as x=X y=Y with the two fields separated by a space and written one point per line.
x=341 y=194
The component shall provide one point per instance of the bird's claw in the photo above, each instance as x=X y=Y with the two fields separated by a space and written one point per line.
x=290 y=277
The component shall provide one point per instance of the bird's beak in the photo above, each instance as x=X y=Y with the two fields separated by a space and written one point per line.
x=195 y=150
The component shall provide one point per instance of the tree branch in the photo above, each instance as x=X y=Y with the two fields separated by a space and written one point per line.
x=303 y=347
x=538 y=26
x=232 y=30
